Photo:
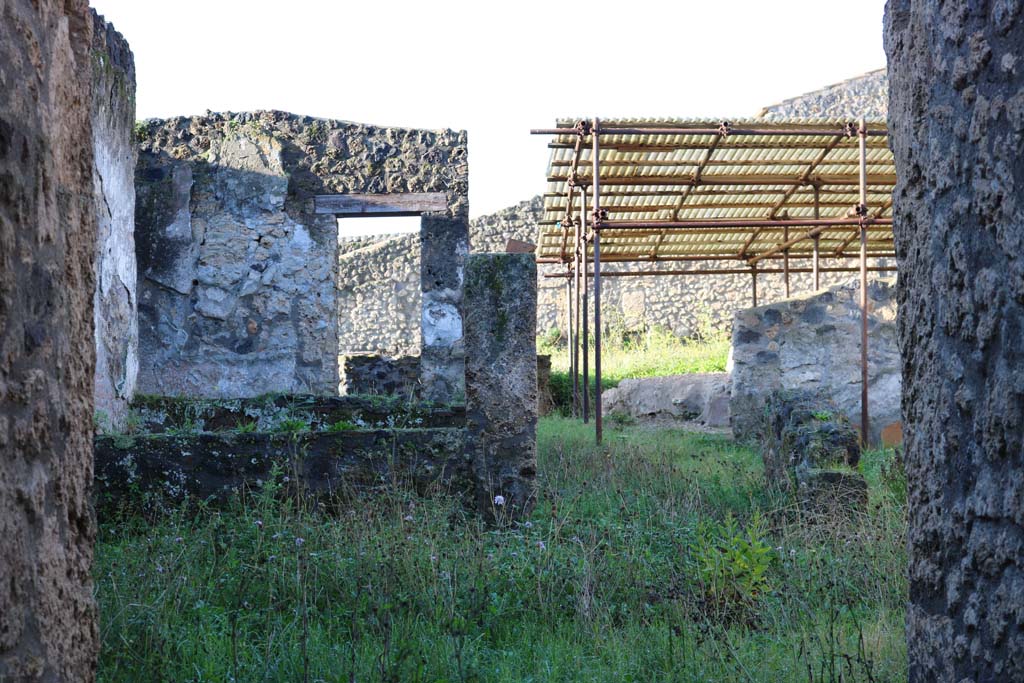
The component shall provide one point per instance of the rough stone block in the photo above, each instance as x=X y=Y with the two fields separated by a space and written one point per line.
x=501 y=381
x=813 y=342
x=802 y=432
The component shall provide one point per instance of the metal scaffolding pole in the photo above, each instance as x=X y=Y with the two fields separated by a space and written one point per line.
x=570 y=339
x=785 y=260
x=586 y=316
x=595 y=135
x=578 y=265
x=862 y=211
x=817 y=239
x=753 y=285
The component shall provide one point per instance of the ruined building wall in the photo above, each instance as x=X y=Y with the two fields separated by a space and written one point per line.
x=813 y=342
x=47 y=230
x=866 y=95
x=956 y=118
x=116 y=320
x=240 y=288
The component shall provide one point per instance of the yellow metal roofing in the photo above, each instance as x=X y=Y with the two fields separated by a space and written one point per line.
x=707 y=175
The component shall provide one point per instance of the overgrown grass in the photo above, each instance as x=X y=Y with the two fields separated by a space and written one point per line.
x=628 y=356
x=658 y=557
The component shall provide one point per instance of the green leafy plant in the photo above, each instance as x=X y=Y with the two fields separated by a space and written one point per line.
x=732 y=566
x=342 y=426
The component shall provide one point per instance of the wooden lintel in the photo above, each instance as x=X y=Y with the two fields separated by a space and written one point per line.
x=397 y=204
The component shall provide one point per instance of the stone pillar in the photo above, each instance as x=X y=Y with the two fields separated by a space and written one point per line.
x=47 y=248
x=444 y=246
x=956 y=121
x=115 y=304
x=501 y=381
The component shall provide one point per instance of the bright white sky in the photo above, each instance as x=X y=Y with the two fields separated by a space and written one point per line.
x=496 y=69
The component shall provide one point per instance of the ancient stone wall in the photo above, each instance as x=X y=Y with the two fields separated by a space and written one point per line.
x=116 y=320
x=240 y=290
x=379 y=298
x=47 y=232
x=813 y=343
x=866 y=95
x=956 y=118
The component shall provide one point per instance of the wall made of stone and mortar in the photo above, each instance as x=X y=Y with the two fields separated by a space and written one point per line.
x=956 y=122
x=48 y=627
x=813 y=343
x=866 y=95
x=240 y=289
x=115 y=312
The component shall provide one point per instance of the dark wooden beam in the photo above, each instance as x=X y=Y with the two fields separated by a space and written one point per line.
x=399 y=204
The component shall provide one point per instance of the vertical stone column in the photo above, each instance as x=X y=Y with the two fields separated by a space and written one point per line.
x=956 y=123
x=501 y=380
x=47 y=233
x=444 y=246
x=115 y=304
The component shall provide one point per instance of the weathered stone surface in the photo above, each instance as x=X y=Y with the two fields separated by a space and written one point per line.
x=380 y=375
x=702 y=398
x=444 y=244
x=239 y=279
x=808 y=444
x=545 y=401
x=379 y=298
x=813 y=342
x=163 y=414
x=866 y=95
x=213 y=465
x=47 y=249
x=501 y=381
x=956 y=120
x=115 y=305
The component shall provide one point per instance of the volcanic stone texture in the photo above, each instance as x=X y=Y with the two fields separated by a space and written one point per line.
x=956 y=120
x=501 y=381
x=239 y=279
x=813 y=342
x=47 y=233
x=808 y=444
x=116 y=319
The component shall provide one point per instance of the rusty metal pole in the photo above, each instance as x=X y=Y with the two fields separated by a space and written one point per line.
x=570 y=339
x=579 y=264
x=817 y=241
x=785 y=260
x=596 y=162
x=862 y=211
x=753 y=283
x=582 y=311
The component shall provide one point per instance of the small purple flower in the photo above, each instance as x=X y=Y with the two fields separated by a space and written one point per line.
x=499 y=500
x=258 y=523
x=299 y=540
x=408 y=518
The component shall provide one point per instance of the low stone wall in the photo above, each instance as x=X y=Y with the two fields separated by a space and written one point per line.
x=215 y=465
x=697 y=397
x=813 y=342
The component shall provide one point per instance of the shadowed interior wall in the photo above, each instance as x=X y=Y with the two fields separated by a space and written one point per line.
x=47 y=246
x=956 y=119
